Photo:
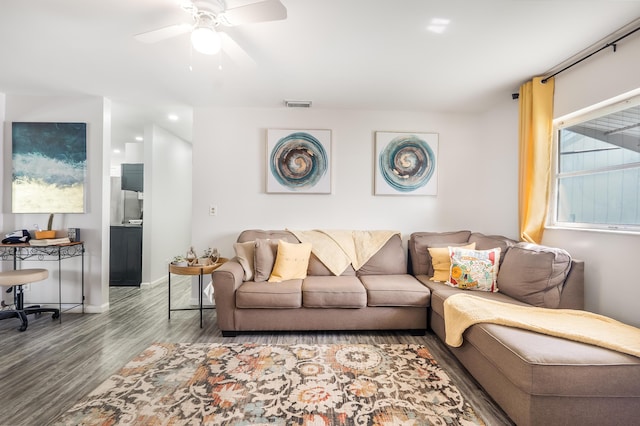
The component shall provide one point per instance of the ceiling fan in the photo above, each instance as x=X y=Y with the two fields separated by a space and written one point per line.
x=208 y=16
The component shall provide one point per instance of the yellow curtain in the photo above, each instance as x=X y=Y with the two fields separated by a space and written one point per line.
x=536 y=145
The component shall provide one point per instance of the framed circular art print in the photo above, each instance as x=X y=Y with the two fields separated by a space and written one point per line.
x=406 y=163
x=299 y=161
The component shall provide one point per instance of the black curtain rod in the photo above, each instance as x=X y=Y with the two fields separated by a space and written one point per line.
x=611 y=44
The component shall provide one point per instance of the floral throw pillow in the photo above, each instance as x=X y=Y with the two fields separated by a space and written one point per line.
x=474 y=269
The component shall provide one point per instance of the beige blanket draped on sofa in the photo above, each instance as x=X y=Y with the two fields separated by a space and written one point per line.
x=463 y=310
x=337 y=249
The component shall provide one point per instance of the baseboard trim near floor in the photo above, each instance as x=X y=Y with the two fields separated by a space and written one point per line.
x=152 y=284
x=91 y=309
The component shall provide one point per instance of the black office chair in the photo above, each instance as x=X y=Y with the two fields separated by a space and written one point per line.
x=11 y=312
x=16 y=279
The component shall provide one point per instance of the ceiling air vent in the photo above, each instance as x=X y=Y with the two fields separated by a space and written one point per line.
x=297 y=104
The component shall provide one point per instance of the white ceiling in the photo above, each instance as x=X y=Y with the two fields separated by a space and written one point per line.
x=359 y=54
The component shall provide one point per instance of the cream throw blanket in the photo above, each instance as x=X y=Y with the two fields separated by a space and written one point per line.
x=463 y=310
x=337 y=248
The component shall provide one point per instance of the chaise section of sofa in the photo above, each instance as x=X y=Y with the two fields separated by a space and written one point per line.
x=537 y=379
x=380 y=295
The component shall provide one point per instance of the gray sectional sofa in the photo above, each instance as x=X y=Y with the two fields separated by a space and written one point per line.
x=537 y=379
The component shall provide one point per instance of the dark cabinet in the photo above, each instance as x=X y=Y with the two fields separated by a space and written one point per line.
x=133 y=177
x=125 y=264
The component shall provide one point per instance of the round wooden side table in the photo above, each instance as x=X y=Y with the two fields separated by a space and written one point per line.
x=198 y=270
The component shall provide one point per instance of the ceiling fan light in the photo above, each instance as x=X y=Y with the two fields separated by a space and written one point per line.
x=206 y=40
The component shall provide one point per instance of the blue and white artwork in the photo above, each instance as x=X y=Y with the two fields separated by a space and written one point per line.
x=49 y=167
x=299 y=161
x=406 y=163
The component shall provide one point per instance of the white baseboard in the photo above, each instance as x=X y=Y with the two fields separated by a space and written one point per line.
x=92 y=309
x=159 y=281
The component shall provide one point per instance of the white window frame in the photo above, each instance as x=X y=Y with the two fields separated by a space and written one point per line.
x=618 y=103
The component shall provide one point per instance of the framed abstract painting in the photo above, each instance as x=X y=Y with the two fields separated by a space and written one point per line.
x=406 y=163
x=299 y=161
x=49 y=167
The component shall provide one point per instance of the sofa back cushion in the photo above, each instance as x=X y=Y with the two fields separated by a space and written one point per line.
x=254 y=234
x=389 y=260
x=534 y=274
x=488 y=242
x=419 y=243
x=318 y=269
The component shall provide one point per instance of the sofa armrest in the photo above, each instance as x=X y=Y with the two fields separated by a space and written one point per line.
x=226 y=280
x=572 y=296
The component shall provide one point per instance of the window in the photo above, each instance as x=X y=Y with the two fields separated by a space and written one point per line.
x=597 y=183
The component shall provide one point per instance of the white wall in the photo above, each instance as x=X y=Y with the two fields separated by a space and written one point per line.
x=477 y=163
x=95 y=112
x=3 y=130
x=133 y=152
x=167 y=201
x=611 y=285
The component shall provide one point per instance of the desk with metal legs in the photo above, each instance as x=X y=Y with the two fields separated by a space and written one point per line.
x=56 y=252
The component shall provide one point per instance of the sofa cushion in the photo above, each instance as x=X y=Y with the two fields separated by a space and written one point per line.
x=395 y=290
x=534 y=274
x=264 y=258
x=317 y=268
x=441 y=261
x=333 y=292
x=390 y=259
x=474 y=269
x=419 y=242
x=291 y=262
x=245 y=254
x=551 y=366
x=486 y=242
x=261 y=295
x=440 y=292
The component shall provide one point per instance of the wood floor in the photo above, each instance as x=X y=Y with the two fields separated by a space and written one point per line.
x=47 y=368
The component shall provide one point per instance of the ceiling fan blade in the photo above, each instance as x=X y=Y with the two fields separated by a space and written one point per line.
x=267 y=10
x=236 y=53
x=163 y=33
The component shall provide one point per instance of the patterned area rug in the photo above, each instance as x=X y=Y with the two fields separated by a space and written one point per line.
x=248 y=384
